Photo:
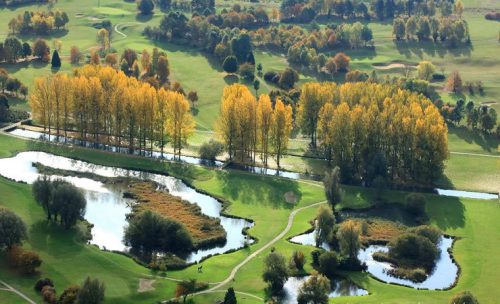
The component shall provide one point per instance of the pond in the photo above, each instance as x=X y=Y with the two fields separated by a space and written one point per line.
x=106 y=207
x=309 y=239
x=443 y=276
x=339 y=288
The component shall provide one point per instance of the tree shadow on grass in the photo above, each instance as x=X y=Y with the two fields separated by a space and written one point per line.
x=143 y=17
x=53 y=239
x=258 y=190
x=485 y=141
x=446 y=212
x=430 y=48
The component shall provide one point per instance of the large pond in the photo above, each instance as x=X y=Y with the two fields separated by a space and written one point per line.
x=106 y=207
x=443 y=276
x=339 y=288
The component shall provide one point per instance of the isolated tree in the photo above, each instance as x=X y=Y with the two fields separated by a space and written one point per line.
x=91 y=292
x=399 y=28
x=111 y=59
x=68 y=202
x=459 y=8
x=75 y=56
x=69 y=295
x=56 y=60
x=454 y=83
x=145 y=7
x=425 y=70
x=26 y=50
x=40 y=49
x=328 y=263
x=149 y=232
x=325 y=220
x=464 y=297
x=331 y=66
x=146 y=62
x=230 y=64
x=348 y=237
x=333 y=189
x=230 y=296
x=256 y=86
x=193 y=97
x=103 y=38
x=288 y=79
x=275 y=272
x=342 y=61
x=314 y=290
x=12 y=229
x=163 y=69
x=25 y=261
x=41 y=189
x=94 y=58
x=298 y=260
x=184 y=288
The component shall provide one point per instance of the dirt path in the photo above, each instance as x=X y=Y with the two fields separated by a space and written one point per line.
x=12 y=289
x=475 y=154
x=260 y=250
x=117 y=30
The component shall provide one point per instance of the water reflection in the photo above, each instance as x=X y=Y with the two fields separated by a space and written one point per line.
x=106 y=207
x=339 y=288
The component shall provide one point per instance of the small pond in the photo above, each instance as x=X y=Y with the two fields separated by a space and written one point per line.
x=106 y=207
x=339 y=288
x=443 y=276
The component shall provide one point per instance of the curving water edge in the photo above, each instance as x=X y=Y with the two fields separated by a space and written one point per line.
x=444 y=275
x=106 y=207
x=340 y=287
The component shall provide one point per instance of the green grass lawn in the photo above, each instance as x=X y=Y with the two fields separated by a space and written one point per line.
x=256 y=197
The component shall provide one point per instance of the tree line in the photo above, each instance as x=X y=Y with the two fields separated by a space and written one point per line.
x=438 y=29
x=42 y=23
x=103 y=105
x=364 y=126
x=306 y=11
x=248 y=126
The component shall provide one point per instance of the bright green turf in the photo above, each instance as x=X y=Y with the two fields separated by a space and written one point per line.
x=259 y=198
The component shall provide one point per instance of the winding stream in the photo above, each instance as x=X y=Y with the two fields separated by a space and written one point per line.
x=106 y=207
x=195 y=160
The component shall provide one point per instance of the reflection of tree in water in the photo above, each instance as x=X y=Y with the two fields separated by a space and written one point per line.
x=344 y=287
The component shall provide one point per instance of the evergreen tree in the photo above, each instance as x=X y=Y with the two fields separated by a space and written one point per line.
x=56 y=60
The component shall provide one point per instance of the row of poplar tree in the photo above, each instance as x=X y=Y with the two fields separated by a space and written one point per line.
x=103 y=105
x=364 y=126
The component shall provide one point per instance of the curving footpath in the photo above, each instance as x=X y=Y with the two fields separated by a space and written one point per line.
x=260 y=250
x=12 y=289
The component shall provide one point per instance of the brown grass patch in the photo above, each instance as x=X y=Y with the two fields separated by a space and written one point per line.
x=203 y=229
x=379 y=231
